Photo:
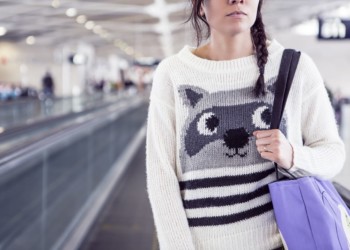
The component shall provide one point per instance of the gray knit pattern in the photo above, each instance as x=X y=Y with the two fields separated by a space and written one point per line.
x=219 y=128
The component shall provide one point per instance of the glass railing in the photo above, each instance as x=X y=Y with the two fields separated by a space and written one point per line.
x=11 y=137
x=23 y=112
x=44 y=186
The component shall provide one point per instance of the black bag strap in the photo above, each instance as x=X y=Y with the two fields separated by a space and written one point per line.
x=289 y=63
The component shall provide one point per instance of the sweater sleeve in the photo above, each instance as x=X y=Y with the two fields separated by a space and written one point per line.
x=162 y=183
x=323 y=152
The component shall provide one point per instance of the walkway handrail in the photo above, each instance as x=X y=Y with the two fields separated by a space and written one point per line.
x=15 y=159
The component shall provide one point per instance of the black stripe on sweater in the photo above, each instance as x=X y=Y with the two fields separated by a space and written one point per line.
x=225 y=181
x=228 y=219
x=224 y=201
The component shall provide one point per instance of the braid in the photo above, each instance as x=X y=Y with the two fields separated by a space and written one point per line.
x=259 y=40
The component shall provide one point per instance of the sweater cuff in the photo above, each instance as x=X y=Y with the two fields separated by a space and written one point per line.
x=298 y=158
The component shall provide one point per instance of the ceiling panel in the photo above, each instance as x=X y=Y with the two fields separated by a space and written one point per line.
x=151 y=28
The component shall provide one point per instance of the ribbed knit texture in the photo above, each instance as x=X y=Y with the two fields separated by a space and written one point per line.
x=206 y=180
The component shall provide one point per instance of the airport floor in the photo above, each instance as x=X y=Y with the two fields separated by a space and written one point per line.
x=126 y=220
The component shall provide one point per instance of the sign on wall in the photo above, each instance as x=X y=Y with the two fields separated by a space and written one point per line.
x=333 y=28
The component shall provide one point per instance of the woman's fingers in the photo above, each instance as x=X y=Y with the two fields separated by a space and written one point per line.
x=265 y=138
x=264 y=141
x=274 y=146
x=259 y=134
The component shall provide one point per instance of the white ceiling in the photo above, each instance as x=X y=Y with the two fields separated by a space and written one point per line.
x=150 y=27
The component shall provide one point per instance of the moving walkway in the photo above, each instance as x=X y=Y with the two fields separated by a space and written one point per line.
x=51 y=180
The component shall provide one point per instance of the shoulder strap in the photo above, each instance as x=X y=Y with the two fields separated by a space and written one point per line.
x=289 y=63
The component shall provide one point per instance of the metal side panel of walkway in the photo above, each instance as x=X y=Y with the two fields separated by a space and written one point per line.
x=126 y=220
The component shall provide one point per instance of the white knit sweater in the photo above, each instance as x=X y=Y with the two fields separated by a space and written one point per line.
x=206 y=180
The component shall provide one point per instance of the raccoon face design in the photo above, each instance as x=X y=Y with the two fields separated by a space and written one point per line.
x=218 y=131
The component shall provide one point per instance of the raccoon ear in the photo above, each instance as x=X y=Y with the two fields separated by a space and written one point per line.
x=191 y=96
x=271 y=85
x=272 y=88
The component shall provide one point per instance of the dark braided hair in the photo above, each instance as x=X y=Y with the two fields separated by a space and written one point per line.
x=259 y=41
x=258 y=38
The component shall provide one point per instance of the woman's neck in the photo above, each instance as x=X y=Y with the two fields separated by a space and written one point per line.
x=226 y=48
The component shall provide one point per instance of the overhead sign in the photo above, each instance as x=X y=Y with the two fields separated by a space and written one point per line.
x=333 y=28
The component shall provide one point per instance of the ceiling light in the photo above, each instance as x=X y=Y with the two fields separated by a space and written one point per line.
x=123 y=45
x=118 y=42
x=71 y=12
x=81 y=19
x=89 y=25
x=30 y=40
x=3 y=31
x=105 y=35
x=55 y=3
x=97 y=29
x=79 y=59
x=129 y=51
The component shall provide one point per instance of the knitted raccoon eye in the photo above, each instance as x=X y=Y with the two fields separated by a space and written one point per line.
x=208 y=124
x=262 y=117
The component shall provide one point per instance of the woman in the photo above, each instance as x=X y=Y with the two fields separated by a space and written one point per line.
x=209 y=146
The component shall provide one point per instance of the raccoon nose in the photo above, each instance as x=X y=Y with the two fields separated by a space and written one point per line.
x=236 y=138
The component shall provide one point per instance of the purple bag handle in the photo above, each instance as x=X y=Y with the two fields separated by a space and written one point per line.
x=289 y=63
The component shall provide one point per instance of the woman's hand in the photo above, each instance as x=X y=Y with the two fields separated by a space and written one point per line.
x=274 y=146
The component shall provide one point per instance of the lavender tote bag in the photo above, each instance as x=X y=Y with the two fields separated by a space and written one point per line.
x=309 y=212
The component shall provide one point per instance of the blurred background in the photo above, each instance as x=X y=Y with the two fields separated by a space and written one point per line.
x=75 y=77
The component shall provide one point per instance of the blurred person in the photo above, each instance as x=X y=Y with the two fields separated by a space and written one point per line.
x=16 y=90
x=339 y=103
x=121 y=83
x=29 y=92
x=1 y=91
x=330 y=94
x=209 y=149
x=140 y=71
x=128 y=83
x=8 y=92
x=48 y=85
x=100 y=85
